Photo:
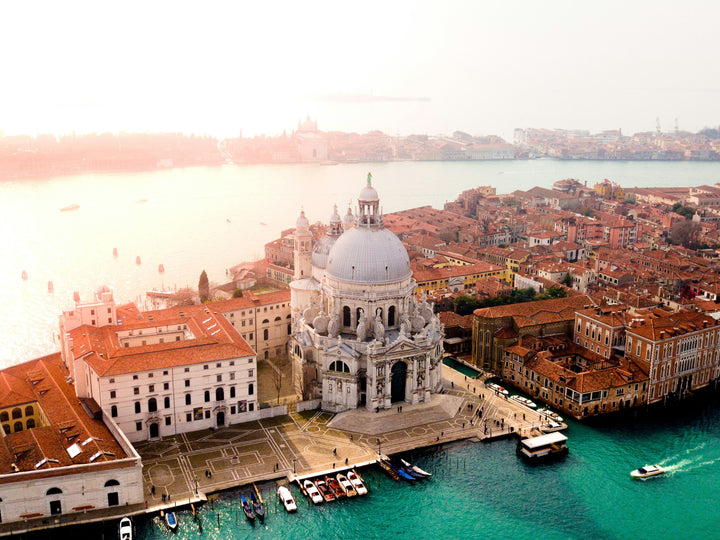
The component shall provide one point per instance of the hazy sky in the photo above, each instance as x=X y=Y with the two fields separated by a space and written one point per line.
x=482 y=67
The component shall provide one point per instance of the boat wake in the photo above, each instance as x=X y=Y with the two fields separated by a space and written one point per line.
x=690 y=463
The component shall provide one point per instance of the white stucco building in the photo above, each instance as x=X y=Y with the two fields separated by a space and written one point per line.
x=360 y=338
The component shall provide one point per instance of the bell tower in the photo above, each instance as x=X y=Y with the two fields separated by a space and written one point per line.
x=302 y=250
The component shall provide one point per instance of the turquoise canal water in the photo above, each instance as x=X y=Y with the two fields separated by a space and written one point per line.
x=485 y=491
x=462 y=368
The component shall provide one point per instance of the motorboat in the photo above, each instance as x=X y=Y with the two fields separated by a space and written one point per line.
x=171 y=520
x=357 y=482
x=415 y=469
x=324 y=489
x=550 y=414
x=247 y=508
x=497 y=389
x=337 y=489
x=287 y=499
x=524 y=401
x=346 y=485
x=125 y=529
x=257 y=507
x=312 y=492
x=543 y=447
x=647 y=471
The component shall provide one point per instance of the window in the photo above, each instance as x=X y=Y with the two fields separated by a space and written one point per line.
x=218 y=365
x=113 y=411
x=136 y=390
x=206 y=366
x=112 y=394
x=232 y=362
x=188 y=399
x=187 y=383
x=251 y=407
x=250 y=372
x=219 y=378
x=112 y=381
x=166 y=386
x=135 y=377
x=188 y=417
x=251 y=389
x=165 y=372
x=138 y=426
x=151 y=388
x=137 y=407
x=232 y=376
x=187 y=370
x=152 y=405
x=219 y=394
x=168 y=420
x=207 y=396
x=232 y=392
x=207 y=414
x=166 y=402
x=265 y=334
x=251 y=336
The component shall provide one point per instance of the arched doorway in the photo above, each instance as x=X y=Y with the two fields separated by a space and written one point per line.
x=397 y=386
x=55 y=504
x=154 y=430
x=220 y=419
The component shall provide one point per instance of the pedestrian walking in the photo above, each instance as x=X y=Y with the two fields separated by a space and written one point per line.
x=152 y=490
x=346 y=461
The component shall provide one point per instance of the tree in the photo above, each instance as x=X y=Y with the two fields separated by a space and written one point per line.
x=204 y=288
x=686 y=211
x=686 y=233
x=277 y=373
x=237 y=293
x=588 y=212
x=567 y=280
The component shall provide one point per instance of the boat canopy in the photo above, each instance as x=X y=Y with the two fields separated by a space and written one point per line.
x=544 y=440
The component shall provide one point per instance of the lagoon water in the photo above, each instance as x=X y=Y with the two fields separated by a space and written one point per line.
x=211 y=218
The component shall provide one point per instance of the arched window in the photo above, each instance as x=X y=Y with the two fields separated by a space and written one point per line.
x=265 y=334
x=288 y=316
x=187 y=399
x=339 y=365
x=251 y=389
x=346 y=316
x=167 y=402
x=152 y=404
x=112 y=483
x=207 y=396
x=29 y=411
x=54 y=491
x=391 y=316
x=4 y=416
x=266 y=321
x=17 y=413
x=30 y=423
x=232 y=392
x=277 y=319
x=113 y=411
x=6 y=428
x=17 y=427
x=219 y=394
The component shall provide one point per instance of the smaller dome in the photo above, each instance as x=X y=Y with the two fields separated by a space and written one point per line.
x=335 y=218
x=302 y=221
x=348 y=219
x=368 y=194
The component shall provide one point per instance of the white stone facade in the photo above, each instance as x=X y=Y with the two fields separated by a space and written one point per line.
x=360 y=338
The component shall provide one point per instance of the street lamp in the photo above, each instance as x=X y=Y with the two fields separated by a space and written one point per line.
x=196 y=486
x=379 y=452
x=294 y=460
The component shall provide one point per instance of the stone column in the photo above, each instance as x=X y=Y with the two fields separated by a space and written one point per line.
x=387 y=392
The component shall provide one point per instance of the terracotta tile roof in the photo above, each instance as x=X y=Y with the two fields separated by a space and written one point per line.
x=539 y=311
x=69 y=423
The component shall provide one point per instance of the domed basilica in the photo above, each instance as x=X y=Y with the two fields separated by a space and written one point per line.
x=360 y=338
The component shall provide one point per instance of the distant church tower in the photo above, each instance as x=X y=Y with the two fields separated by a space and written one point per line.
x=302 y=252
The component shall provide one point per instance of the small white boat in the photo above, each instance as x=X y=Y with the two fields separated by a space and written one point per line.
x=497 y=389
x=312 y=492
x=287 y=499
x=125 y=529
x=346 y=485
x=551 y=415
x=357 y=482
x=647 y=471
x=415 y=468
x=171 y=520
x=524 y=401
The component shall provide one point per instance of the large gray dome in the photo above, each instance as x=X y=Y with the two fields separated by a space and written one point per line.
x=368 y=255
x=322 y=250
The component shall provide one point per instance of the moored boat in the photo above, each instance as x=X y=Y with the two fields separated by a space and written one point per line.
x=550 y=414
x=171 y=520
x=125 y=529
x=497 y=389
x=543 y=447
x=647 y=471
x=257 y=507
x=416 y=469
x=312 y=492
x=324 y=490
x=70 y=208
x=524 y=401
x=346 y=485
x=357 y=482
x=247 y=508
x=391 y=469
x=287 y=499
x=337 y=489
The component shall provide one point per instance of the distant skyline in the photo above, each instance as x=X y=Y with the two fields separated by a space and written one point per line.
x=222 y=68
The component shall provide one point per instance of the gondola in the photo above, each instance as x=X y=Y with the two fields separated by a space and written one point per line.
x=416 y=469
x=257 y=507
x=247 y=508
